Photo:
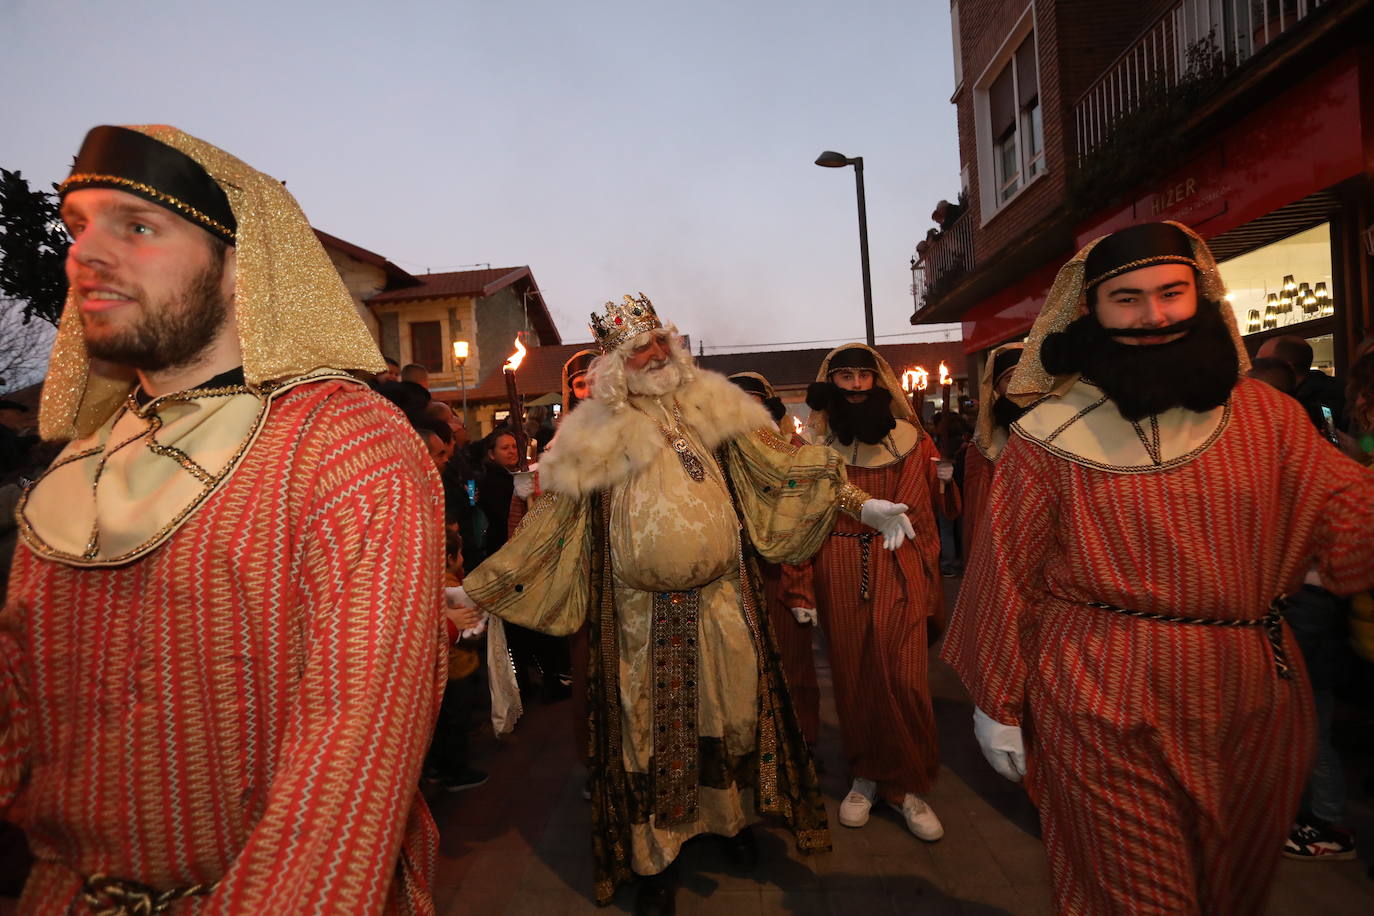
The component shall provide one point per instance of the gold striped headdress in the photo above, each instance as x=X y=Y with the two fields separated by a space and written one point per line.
x=294 y=314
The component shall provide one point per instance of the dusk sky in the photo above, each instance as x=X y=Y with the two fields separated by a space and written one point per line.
x=612 y=146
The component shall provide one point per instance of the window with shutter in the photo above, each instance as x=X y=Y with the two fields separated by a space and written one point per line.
x=427 y=345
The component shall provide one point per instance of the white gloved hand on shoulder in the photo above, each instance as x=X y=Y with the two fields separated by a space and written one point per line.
x=805 y=615
x=1001 y=745
x=888 y=519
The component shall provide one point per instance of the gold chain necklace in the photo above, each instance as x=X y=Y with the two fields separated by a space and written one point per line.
x=677 y=441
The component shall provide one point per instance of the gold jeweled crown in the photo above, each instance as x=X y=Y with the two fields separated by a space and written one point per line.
x=624 y=321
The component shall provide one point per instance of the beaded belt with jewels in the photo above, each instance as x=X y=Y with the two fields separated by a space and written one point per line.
x=865 y=554
x=673 y=652
x=1272 y=622
x=107 y=896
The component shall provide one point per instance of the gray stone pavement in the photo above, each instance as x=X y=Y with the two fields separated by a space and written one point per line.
x=520 y=844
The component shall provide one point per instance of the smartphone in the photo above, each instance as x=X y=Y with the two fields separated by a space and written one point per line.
x=1329 y=426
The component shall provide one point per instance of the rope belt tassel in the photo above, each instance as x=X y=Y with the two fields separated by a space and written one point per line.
x=107 y=896
x=1272 y=622
x=865 y=546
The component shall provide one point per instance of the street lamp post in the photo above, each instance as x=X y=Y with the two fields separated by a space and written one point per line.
x=460 y=356
x=833 y=160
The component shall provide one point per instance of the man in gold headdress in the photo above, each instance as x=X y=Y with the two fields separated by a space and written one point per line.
x=875 y=607
x=1146 y=519
x=996 y=413
x=654 y=490
x=219 y=666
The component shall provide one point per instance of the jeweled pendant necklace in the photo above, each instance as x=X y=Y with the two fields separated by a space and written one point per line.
x=677 y=441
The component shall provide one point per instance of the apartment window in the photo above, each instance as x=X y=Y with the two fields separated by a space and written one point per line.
x=1017 y=127
x=427 y=345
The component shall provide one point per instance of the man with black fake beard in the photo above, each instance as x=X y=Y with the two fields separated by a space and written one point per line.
x=1126 y=596
x=874 y=606
x=654 y=492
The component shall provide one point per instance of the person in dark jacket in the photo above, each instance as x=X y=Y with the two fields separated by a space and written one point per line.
x=1315 y=388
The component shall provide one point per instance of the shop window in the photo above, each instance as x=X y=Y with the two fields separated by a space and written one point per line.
x=427 y=345
x=1286 y=283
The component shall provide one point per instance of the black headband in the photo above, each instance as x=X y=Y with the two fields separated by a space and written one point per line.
x=853 y=358
x=1005 y=360
x=126 y=160
x=1135 y=247
x=750 y=384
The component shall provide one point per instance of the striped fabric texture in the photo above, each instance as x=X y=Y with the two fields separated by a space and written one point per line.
x=1168 y=757
x=878 y=655
x=251 y=703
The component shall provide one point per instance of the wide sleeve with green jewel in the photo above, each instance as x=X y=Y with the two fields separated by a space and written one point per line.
x=789 y=494
x=540 y=578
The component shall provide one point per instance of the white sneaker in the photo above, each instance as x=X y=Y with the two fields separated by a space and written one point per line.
x=920 y=819
x=856 y=805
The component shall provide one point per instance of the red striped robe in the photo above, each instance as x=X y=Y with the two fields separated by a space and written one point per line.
x=977 y=482
x=249 y=703
x=878 y=654
x=1169 y=757
x=794 y=644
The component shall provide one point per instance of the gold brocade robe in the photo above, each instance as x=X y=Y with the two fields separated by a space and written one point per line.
x=617 y=555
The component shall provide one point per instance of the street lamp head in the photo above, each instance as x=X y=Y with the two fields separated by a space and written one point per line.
x=832 y=160
x=460 y=349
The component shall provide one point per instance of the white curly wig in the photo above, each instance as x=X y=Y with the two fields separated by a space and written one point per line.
x=608 y=380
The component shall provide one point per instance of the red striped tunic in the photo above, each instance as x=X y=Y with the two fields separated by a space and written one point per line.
x=977 y=483
x=1169 y=757
x=878 y=654
x=794 y=644
x=249 y=703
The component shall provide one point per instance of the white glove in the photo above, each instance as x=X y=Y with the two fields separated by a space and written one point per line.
x=1001 y=745
x=457 y=599
x=889 y=519
x=805 y=615
x=944 y=471
x=524 y=484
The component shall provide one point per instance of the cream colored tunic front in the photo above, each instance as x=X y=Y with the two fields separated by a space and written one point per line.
x=669 y=532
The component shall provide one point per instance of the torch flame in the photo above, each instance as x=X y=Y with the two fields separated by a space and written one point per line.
x=797 y=425
x=915 y=379
x=945 y=378
x=516 y=358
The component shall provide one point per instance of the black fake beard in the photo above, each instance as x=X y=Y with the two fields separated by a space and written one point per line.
x=870 y=420
x=1005 y=412
x=1197 y=371
x=775 y=408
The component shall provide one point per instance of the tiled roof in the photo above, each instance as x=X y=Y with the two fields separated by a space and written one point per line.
x=454 y=283
x=541 y=372
x=797 y=368
x=395 y=276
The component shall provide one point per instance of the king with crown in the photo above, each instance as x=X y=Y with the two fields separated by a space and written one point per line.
x=658 y=494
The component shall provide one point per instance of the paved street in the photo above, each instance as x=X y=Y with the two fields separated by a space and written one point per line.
x=519 y=844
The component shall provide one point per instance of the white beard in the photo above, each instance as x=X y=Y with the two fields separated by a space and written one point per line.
x=654 y=382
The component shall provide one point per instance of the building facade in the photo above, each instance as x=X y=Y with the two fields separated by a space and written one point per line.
x=1252 y=121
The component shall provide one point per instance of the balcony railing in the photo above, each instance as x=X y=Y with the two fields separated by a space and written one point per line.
x=944 y=258
x=1192 y=39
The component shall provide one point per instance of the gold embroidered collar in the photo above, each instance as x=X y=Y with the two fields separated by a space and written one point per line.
x=118 y=494
x=895 y=446
x=1083 y=426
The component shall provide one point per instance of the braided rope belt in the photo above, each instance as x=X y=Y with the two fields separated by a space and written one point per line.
x=865 y=547
x=1272 y=622
x=107 y=896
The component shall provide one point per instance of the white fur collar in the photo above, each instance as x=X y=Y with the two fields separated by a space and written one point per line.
x=597 y=447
